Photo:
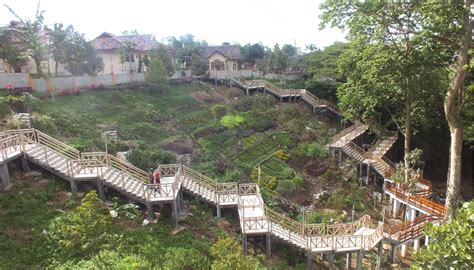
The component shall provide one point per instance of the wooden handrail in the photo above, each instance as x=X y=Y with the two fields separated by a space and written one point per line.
x=423 y=203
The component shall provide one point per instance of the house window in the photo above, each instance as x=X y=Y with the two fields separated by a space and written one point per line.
x=129 y=58
x=217 y=65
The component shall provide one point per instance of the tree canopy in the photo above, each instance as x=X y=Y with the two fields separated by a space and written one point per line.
x=452 y=245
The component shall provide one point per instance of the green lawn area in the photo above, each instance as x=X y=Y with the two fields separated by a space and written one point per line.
x=180 y=119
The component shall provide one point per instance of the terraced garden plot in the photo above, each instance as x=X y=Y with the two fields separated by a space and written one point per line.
x=278 y=168
x=253 y=140
x=269 y=143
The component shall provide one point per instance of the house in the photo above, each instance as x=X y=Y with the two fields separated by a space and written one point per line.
x=125 y=54
x=224 y=60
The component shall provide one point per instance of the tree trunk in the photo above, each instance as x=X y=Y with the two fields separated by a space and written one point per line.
x=407 y=142
x=39 y=69
x=56 y=64
x=454 y=180
x=452 y=107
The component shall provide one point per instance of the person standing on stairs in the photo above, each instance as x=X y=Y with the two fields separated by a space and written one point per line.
x=157 y=181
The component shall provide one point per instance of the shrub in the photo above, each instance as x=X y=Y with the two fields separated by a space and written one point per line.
x=314 y=149
x=283 y=155
x=82 y=232
x=232 y=121
x=228 y=254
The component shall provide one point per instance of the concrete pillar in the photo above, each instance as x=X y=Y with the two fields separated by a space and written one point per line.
x=348 y=260
x=151 y=214
x=281 y=99
x=268 y=245
x=175 y=214
x=309 y=261
x=403 y=251
x=331 y=260
x=74 y=188
x=427 y=240
x=368 y=173
x=5 y=175
x=340 y=155
x=100 y=189
x=24 y=164
x=393 y=252
x=412 y=214
x=396 y=208
x=244 y=243
x=360 y=256
x=416 y=244
x=247 y=91
x=218 y=211
x=378 y=266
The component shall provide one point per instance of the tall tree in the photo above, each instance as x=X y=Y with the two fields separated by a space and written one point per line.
x=81 y=57
x=441 y=35
x=289 y=50
x=277 y=60
x=453 y=105
x=60 y=38
x=387 y=68
x=250 y=53
x=30 y=32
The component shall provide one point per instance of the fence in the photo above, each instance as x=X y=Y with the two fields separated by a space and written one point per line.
x=21 y=80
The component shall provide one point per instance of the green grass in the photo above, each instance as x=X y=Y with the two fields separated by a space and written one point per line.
x=24 y=212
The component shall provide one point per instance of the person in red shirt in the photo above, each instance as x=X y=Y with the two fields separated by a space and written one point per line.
x=157 y=180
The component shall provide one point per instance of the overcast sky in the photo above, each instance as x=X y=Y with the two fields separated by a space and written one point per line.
x=216 y=21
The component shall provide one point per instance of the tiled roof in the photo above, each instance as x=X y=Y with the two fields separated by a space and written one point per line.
x=230 y=51
x=107 y=41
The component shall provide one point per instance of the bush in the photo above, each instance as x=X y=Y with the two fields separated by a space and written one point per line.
x=283 y=155
x=146 y=158
x=232 y=121
x=314 y=149
x=81 y=233
x=228 y=254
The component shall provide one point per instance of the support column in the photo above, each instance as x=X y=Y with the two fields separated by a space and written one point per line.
x=403 y=251
x=175 y=214
x=151 y=214
x=360 y=172
x=244 y=243
x=247 y=91
x=309 y=261
x=100 y=189
x=396 y=208
x=378 y=266
x=416 y=244
x=281 y=99
x=314 y=109
x=268 y=245
x=5 y=175
x=368 y=173
x=427 y=240
x=348 y=260
x=218 y=211
x=24 y=164
x=340 y=155
x=74 y=188
x=331 y=260
x=393 y=252
x=360 y=255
